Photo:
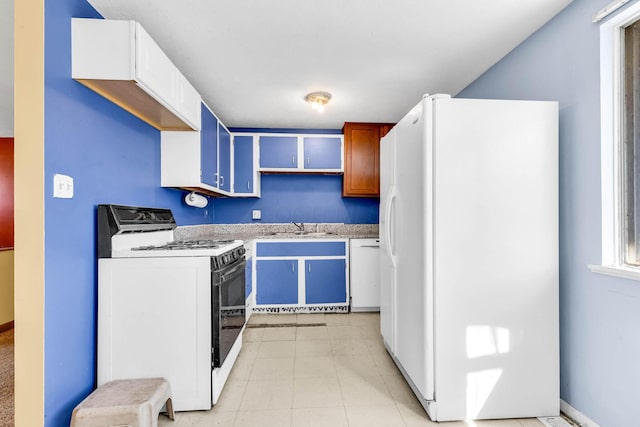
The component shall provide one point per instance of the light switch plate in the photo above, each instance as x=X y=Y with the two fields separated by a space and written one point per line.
x=256 y=214
x=62 y=186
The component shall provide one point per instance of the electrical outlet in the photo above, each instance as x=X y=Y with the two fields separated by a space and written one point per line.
x=256 y=214
x=62 y=186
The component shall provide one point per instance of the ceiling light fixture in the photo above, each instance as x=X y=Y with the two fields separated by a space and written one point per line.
x=318 y=100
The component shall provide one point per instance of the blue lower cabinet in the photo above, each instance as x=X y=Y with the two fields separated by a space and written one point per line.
x=248 y=278
x=321 y=282
x=325 y=281
x=277 y=281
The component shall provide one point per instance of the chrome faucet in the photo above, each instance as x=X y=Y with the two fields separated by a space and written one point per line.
x=299 y=226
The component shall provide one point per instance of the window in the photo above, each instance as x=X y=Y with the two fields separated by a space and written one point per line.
x=630 y=145
x=620 y=144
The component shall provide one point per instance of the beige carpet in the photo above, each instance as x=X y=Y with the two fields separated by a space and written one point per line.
x=6 y=379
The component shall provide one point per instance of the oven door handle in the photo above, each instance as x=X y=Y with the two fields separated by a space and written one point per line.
x=232 y=273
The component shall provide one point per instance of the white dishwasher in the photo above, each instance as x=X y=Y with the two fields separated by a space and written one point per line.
x=364 y=274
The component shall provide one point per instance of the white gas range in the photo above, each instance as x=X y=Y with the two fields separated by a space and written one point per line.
x=167 y=308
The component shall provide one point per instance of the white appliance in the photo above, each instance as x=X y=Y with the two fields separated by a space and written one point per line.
x=166 y=308
x=469 y=256
x=364 y=277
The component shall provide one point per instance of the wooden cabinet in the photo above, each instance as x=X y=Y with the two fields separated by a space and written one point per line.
x=120 y=61
x=362 y=158
x=302 y=274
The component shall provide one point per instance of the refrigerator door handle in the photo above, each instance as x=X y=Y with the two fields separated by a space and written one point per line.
x=390 y=240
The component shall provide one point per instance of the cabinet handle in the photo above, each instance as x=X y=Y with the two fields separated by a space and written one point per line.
x=248 y=185
x=293 y=160
x=309 y=267
x=308 y=161
x=221 y=179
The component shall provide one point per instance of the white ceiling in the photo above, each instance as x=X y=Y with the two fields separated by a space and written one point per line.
x=253 y=61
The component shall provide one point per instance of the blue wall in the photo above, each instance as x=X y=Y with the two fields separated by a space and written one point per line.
x=113 y=158
x=599 y=315
x=306 y=198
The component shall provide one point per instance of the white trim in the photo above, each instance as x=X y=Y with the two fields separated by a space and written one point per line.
x=612 y=270
x=219 y=376
x=610 y=112
x=576 y=415
x=608 y=10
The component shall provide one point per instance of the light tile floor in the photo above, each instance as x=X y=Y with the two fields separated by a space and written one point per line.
x=334 y=375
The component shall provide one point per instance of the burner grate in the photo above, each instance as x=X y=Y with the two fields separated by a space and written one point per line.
x=185 y=244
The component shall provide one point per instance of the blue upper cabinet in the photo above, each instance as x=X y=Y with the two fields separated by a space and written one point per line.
x=224 y=163
x=278 y=152
x=322 y=152
x=198 y=161
x=209 y=148
x=245 y=182
x=301 y=153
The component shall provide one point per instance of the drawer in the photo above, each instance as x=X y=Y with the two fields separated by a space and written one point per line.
x=301 y=249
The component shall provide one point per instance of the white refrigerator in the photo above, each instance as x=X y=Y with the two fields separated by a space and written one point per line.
x=469 y=256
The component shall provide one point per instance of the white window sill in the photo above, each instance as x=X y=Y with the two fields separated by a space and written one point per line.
x=610 y=270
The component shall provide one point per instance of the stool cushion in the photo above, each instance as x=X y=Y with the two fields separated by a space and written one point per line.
x=135 y=402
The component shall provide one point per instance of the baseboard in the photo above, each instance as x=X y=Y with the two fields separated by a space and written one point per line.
x=6 y=326
x=575 y=415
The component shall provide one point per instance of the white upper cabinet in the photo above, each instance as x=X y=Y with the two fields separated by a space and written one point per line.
x=120 y=61
x=198 y=161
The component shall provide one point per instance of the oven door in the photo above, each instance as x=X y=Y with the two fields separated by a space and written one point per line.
x=228 y=317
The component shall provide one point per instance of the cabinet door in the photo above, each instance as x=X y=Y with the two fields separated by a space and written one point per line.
x=243 y=173
x=224 y=156
x=362 y=160
x=187 y=100
x=248 y=278
x=209 y=148
x=279 y=152
x=277 y=281
x=154 y=69
x=325 y=281
x=322 y=153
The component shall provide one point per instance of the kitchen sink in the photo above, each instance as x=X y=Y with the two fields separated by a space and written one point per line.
x=301 y=233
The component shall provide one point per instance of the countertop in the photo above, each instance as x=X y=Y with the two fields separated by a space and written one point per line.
x=249 y=232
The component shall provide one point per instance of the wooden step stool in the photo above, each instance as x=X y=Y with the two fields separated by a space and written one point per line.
x=135 y=403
